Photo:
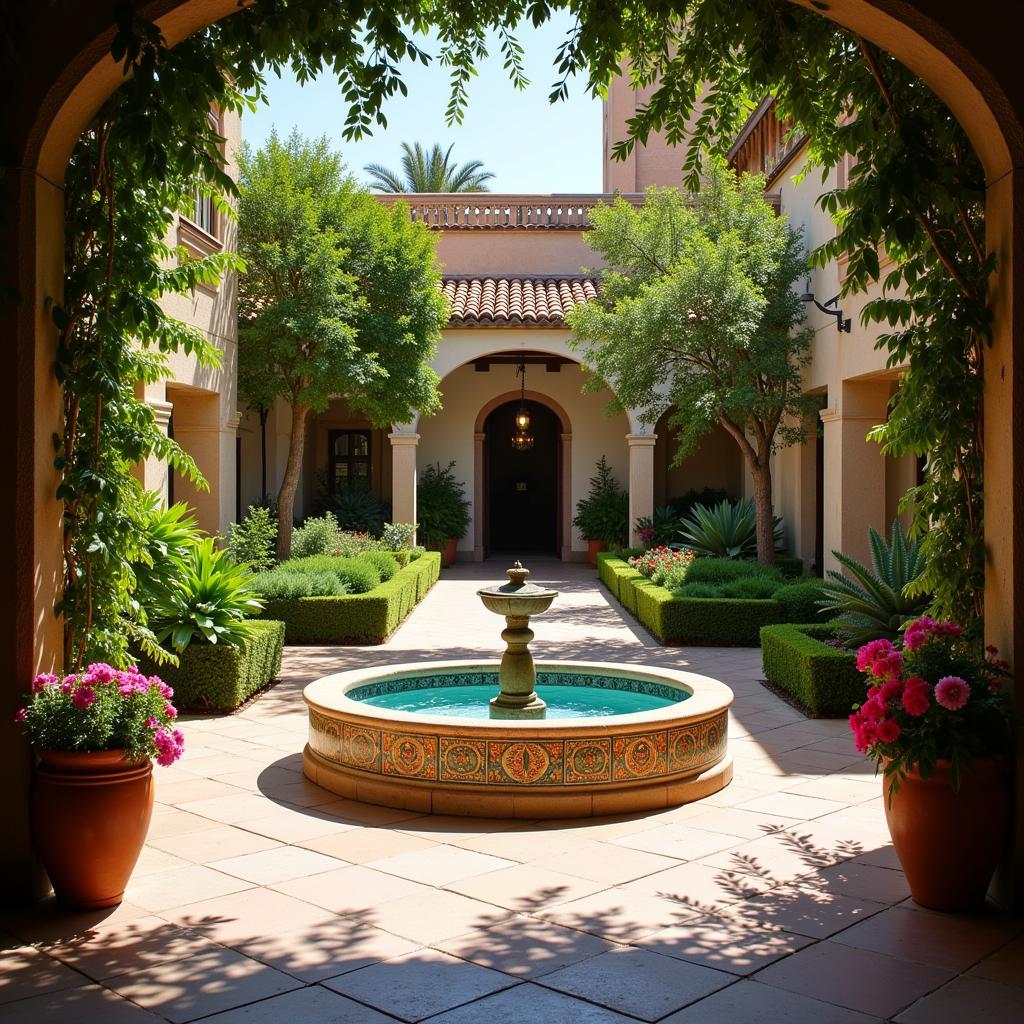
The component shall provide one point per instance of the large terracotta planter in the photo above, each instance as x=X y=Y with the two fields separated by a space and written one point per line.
x=451 y=547
x=948 y=843
x=90 y=816
x=593 y=547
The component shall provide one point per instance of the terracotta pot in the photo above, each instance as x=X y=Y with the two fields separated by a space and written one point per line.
x=451 y=547
x=90 y=816
x=593 y=547
x=948 y=843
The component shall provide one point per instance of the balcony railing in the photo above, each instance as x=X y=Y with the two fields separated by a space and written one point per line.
x=493 y=211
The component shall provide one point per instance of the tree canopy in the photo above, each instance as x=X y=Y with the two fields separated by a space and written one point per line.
x=430 y=171
x=698 y=310
x=339 y=298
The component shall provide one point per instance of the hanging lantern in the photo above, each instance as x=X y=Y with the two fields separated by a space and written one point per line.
x=522 y=439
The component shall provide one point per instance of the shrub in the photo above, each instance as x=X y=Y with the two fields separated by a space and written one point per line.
x=417 y=552
x=221 y=678
x=603 y=515
x=823 y=678
x=802 y=601
x=357 y=575
x=659 y=563
x=283 y=583
x=758 y=587
x=725 y=530
x=790 y=566
x=715 y=621
x=318 y=535
x=683 y=504
x=354 y=506
x=352 y=544
x=872 y=605
x=397 y=536
x=441 y=504
x=251 y=542
x=384 y=562
x=698 y=590
x=660 y=529
x=724 y=570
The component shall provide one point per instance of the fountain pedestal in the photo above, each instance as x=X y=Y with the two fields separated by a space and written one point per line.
x=517 y=600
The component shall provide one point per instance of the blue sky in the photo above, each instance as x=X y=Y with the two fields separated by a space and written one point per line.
x=530 y=144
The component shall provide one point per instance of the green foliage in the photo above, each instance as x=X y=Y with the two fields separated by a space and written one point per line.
x=396 y=536
x=726 y=530
x=822 y=678
x=429 y=171
x=876 y=603
x=318 y=535
x=384 y=562
x=357 y=575
x=753 y=587
x=355 y=507
x=661 y=528
x=697 y=590
x=683 y=504
x=604 y=513
x=790 y=566
x=368 y=618
x=726 y=570
x=802 y=601
x=441 y=504
x=284 y=583
x=251 y=542
x=221 y=678
x=698 y=308
x=352 y=544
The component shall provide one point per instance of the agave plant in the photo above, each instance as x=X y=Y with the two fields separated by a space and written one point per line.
x=210 y=602
x=726 y=530
x=872 y=604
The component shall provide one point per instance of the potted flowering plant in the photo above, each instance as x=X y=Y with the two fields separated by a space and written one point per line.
x=936 y=719
x=96 y=734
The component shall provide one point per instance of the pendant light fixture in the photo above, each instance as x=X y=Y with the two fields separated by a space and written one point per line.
x=522 y=439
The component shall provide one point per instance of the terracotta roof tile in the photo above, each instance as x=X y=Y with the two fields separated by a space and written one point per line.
x=525 y=301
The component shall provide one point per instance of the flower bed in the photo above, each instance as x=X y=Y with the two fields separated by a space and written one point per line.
x=368 y=618
x=823 y=679
x=219 y=678
x=672 y=619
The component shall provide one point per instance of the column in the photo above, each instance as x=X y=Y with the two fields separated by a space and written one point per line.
x=854 y=485
x=641 y=481
x=403 y=477
x=153 y=472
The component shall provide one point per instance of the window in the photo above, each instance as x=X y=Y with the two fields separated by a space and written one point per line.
x=203 y=214
x=349 y=453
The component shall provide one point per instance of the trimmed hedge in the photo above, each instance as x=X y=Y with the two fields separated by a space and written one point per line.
x=212 y=677
x=823 y=679
x=368 y=618
x=687 y=620
x=790 y=566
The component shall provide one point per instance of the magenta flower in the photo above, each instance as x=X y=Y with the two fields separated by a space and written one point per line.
x=890 y=689
x=869 y=652
x=83 y=697
x=888 y=731
x=887 y=666
x=19 y=715
x=170 y=711
x=873 y=710
x=952 y=692
x=915 y=697
x=99 y=673
x=43 y=680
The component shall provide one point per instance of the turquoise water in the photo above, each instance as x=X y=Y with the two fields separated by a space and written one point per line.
x=459 y=700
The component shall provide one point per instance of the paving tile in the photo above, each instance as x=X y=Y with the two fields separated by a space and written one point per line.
x=792 y=806
x=189 y=790
x=294 y=826
x=526 y=887
x=522 y=845
x=699 y=887
x=25 y=971
x=231 y=809
x=751 y=1003
x=362 y=845
x=440 y=865
x=844 y=790
x=47 y=923
x=967 y=999
x=525 y=947
x=619 y=915
x=804 y=910
x=89 y=1004
x=601 y=862
x=420 y=984
x=1006 y=966
x=531 y=1003
x=201 y=985
x=349 y=890
x=433 y=915
x=213 y=843
x=855 y=978
x=954 y=942
x=304 y=1006
x=637 y=982
x=864 y=880
x=732 y=821
x=277 y=864
x=726 y=945
x=680 y=841
x=167 y=888
x=175 y=822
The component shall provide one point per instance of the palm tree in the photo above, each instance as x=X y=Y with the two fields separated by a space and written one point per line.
x=429 y=172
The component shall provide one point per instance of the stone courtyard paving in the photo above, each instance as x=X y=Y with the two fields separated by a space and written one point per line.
x=261 y=898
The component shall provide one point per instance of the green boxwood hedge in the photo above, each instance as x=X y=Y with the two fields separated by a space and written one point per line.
x=822 y=678
x=368 y=618
x=212 y=677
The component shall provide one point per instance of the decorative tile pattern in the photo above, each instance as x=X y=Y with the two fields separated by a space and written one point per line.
x=325 y=735
x=360 y=748
x=588 y=760
x=698 y=744
x=413 y=757
x=528 y=763
x=638 y=757
x=462 y=760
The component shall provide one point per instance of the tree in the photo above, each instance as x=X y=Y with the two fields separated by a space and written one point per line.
x=698 y=310
x=432 y=171
x=340 y=298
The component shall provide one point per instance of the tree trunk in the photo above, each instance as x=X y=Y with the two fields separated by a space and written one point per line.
x=765 y=513
x=290 y=481
x=264 y=413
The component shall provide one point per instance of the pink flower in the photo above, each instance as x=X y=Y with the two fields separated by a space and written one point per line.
x=152 y=723
x=869 y=652
x=914 y=638
x=169 y=746
x=915 y=697
x=952 y=692
x=873 y=710
x=83 y=697
x=890 y=689
x=887 y=666
x=99 y=673
x=888 y=731
x=43 y=680
x=170 y=711
x=19 y=715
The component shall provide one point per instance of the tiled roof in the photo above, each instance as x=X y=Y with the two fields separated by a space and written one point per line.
x=518 y=301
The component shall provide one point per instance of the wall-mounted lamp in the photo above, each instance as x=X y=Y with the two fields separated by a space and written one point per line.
x=842 y=323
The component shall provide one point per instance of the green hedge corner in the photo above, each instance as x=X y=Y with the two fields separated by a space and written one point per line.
x=823 y=679
x=212 y=677
x=368 y=618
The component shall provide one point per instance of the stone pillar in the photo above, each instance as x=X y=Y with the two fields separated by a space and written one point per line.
x=403 y=477
x=854 y=491
x=153 y=473
x=641 y=480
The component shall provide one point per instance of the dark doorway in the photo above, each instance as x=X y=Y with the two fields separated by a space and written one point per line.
x=522 y=487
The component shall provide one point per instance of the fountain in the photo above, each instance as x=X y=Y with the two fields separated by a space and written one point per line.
x=557 y=739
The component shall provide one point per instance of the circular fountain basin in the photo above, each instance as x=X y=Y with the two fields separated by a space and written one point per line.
x=616 y=739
